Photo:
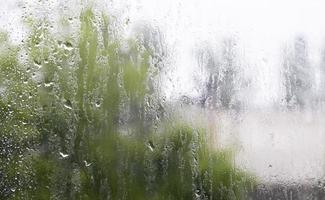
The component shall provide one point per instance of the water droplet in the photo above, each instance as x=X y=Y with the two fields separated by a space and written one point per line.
x=68 y=104
x=68 y=46
x=63 y=155
x=48 y=84
x=97 y=104
x=197 y=194
x=87 y=164
x=38 y=64
x=151 y=146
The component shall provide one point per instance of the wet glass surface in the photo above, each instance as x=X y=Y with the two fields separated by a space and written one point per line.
x=162 y=99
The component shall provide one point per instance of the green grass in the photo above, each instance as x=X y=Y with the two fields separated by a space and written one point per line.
x=75 y=124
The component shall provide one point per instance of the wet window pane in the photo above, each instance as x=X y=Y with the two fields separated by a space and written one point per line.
x=162 y=99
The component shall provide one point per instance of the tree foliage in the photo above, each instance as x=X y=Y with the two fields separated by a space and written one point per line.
x=74 y=126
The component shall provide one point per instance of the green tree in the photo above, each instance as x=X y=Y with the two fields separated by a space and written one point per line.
x=73 y=124
x=297 y=76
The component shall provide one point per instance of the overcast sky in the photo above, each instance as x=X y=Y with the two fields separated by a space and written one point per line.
x=261 y=28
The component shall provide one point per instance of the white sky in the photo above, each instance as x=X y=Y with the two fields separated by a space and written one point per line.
x=260 y=26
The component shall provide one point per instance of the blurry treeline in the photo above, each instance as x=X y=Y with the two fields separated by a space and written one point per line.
x=223 y=84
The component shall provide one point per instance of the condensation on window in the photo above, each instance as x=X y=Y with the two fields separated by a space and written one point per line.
x=171 y=99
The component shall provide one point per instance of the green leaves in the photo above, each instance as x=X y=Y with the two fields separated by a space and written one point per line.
x=76 y=113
